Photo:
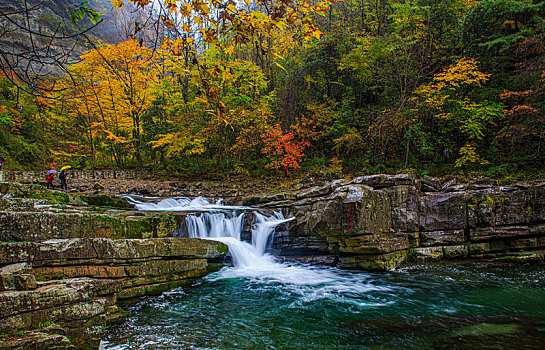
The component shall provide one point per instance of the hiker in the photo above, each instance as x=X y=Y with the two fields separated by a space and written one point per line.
x=49 y=181
x=444 y=155
x=62 y=177
x=385 y=153
x=1 y=162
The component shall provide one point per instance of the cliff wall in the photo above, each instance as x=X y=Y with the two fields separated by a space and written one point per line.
x=377 y=222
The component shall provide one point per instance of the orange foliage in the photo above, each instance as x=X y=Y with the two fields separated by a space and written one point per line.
x=284 y=152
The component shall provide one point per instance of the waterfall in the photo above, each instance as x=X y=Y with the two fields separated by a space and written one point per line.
x=224 y=223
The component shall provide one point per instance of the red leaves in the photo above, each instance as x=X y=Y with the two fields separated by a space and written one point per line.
x=285 y=153
x=521 y=110
x=516 y=94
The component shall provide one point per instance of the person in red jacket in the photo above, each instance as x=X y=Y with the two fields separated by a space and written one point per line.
x=49 y=181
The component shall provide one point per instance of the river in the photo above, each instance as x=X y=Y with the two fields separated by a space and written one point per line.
x=260 y=303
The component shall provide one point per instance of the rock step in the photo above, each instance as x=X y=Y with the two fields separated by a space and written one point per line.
x=76 y=283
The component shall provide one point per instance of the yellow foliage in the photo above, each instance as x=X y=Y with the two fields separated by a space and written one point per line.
x=111 y=87
x=117 y=4
x=469 y=155
x=180 y=143
x=447 y=97
x=444 y=86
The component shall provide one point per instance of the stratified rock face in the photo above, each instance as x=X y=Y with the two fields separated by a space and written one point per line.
x=75 y=283
x=376 y=222
x=37 y=340
x=74 y=304
x=135 y=262
x=30 y=213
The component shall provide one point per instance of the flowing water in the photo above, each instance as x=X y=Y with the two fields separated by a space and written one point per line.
x=260 y=303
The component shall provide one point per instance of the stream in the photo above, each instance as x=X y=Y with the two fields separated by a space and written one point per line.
x=260 y=303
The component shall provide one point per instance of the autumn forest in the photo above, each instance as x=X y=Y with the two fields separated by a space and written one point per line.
x=292 y=87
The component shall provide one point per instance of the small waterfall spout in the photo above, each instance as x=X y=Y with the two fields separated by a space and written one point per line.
x=224 y=223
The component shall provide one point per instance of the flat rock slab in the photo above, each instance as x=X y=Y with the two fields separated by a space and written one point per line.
x=36 y=341
x=67 y=251
x=54 y=294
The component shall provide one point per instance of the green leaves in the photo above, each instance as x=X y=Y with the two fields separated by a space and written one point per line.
x=498 y=24
x=84 y=10
x=6 y=119
x=480 y=115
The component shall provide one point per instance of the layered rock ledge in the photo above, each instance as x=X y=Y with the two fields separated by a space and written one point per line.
x=61 y=281
x=77 y=284
x=377 y=222
x=34 y=213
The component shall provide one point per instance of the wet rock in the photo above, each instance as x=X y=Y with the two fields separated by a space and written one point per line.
x=77 y=305
x=488 y=233
x=507 y=206
x=442 y=238
x=327 y=260
x=82 y=279
x=374 y=181
x=430 y=184
x=144 y=192
x=25 y=282
x=365 y=220
x=404 y=208
x=381 y=262
x=428 y=254
x=442 y=211
x=67 y=251
x=315 y=192
x=45 y=224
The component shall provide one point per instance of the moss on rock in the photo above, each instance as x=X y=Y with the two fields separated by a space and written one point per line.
x=104 y=200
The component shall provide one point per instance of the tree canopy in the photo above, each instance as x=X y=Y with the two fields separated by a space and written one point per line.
x=249 y=88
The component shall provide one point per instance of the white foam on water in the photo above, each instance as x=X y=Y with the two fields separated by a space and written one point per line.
x=180 y=204
x=251 y=261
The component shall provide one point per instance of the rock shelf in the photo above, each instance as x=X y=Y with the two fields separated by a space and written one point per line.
x=67 y=261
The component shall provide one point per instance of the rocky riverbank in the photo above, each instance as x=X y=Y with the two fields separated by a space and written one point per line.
x=68 y=260
x=377 y=222
x=129 y=182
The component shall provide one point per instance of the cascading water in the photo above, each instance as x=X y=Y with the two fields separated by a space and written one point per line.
x=260 y=303
x=224 y=223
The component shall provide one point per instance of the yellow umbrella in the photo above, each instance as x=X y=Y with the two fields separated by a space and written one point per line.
x=65 y=167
